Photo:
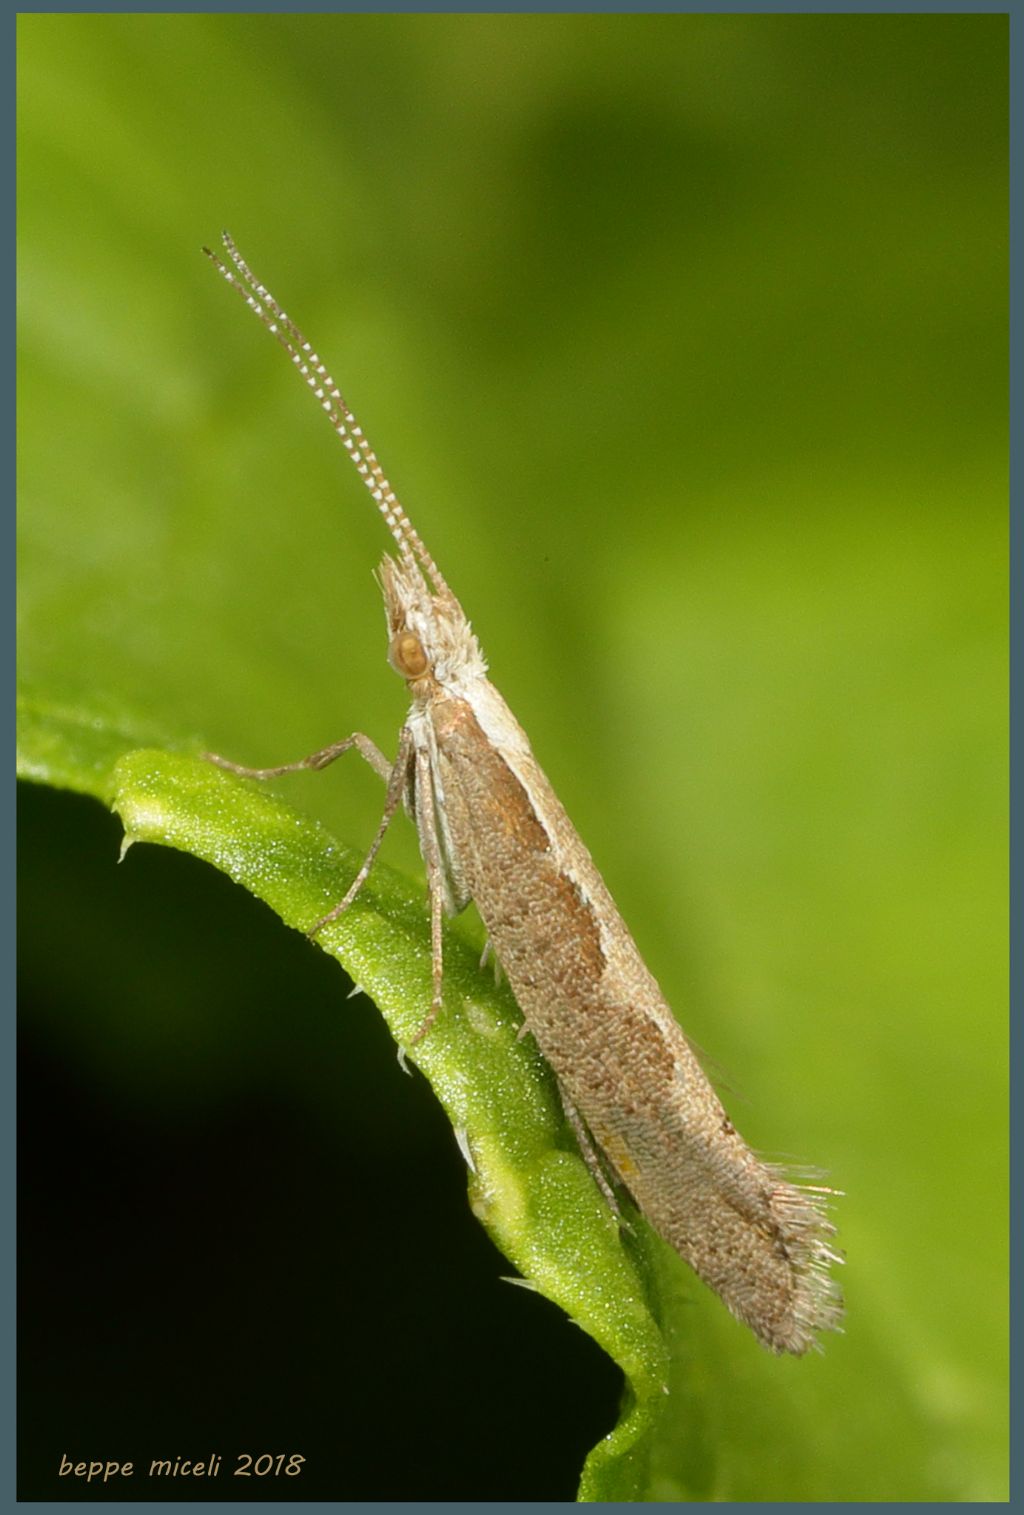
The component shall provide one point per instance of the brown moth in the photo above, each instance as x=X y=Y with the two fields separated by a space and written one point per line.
x=491 y=829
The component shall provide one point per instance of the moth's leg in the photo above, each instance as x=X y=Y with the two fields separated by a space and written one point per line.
x=426 y=817
x=315 y=761
x=490 y=952
x=398 y=777
x=591 y=1155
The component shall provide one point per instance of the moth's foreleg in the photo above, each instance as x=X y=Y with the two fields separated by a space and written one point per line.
x=397 y=777
x=427 y=823
x=315 y=761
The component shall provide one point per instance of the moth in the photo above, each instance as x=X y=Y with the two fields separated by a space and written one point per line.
x=491 y=829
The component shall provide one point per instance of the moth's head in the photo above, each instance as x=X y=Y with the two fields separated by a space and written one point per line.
x=430 y=640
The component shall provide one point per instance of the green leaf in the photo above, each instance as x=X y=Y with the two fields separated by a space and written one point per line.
x=528 y=1184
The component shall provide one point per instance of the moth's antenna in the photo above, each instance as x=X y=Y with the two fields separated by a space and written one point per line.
x=262 y=303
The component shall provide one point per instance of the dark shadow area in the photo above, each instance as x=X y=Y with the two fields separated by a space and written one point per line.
x=242 y=1230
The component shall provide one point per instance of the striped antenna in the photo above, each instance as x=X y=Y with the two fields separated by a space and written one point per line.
x=263 y=305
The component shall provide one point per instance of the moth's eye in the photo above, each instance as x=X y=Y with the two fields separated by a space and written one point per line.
x=407 y=655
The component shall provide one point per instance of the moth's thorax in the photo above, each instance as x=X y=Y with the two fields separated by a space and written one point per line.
x=431 y=645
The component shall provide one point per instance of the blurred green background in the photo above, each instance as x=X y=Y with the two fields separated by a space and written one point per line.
x=683 y=338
